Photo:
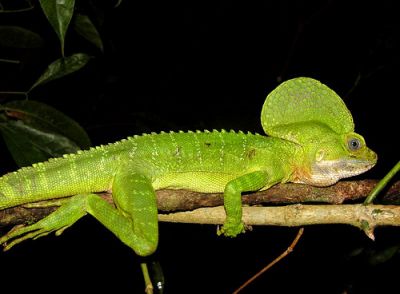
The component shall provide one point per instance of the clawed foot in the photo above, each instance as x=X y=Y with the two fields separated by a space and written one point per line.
x=21 y=233
x=231 y=228
x=57 y=222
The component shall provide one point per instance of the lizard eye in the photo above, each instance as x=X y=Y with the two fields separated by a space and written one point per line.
x=354 y=144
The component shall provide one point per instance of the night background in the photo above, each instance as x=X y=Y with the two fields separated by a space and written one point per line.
x=197 y=65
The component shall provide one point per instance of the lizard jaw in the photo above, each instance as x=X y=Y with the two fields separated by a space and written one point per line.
x=328 y=172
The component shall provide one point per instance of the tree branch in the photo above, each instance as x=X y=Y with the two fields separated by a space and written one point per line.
x=365 y=217
x=181 y=200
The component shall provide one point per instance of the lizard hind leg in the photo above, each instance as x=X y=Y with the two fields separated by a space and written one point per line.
x=136 y=202
x=134 y=221
x=65 y=216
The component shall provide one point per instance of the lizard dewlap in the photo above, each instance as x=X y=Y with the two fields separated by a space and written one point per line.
x=310 y=139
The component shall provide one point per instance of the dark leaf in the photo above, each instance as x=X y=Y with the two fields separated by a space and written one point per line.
x=157 y=276
x=84 y=27
x=382 y=256
x=18 y=37
x=62 y=67
x=59 y=14
x=47 y=119
x=29 y=145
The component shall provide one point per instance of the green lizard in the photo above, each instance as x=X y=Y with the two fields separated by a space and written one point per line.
x=311 y=140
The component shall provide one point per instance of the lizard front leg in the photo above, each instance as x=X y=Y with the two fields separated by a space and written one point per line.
x=253 y=181
x=134 y=221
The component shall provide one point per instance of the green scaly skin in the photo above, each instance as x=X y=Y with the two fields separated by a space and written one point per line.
x=311 y=141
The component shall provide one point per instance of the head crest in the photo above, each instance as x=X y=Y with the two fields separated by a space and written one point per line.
x=304 y=100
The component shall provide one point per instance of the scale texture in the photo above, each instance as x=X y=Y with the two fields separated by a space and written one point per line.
x=311 y=141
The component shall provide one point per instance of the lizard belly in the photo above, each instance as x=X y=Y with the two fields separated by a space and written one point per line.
x=208 y=182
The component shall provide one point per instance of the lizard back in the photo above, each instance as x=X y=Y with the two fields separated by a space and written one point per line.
x=202 y=161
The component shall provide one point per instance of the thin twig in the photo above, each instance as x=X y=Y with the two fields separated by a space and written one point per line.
x=272 y=263
x=147 y=280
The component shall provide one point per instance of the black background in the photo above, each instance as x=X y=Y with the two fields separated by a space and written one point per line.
x=197 y=65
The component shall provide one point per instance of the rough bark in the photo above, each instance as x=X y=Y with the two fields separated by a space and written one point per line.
x=181 y=200
x=365 y=217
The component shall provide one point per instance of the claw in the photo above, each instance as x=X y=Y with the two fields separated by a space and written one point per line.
x=57 y=221
x=231 y=229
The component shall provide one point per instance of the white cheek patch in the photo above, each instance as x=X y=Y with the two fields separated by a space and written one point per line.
x=328 y=172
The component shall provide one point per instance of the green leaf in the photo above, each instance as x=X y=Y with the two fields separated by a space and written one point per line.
x=62 y=67
x=84 y=27
x=29 y=145
x=18 y=37
x=59 y=13
x=47 y=119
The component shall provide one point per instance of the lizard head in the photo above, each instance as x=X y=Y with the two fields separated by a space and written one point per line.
x=343 y=157
x=308 y=113
x=327 y=156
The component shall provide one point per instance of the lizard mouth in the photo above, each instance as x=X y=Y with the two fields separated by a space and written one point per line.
x=328 y=172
